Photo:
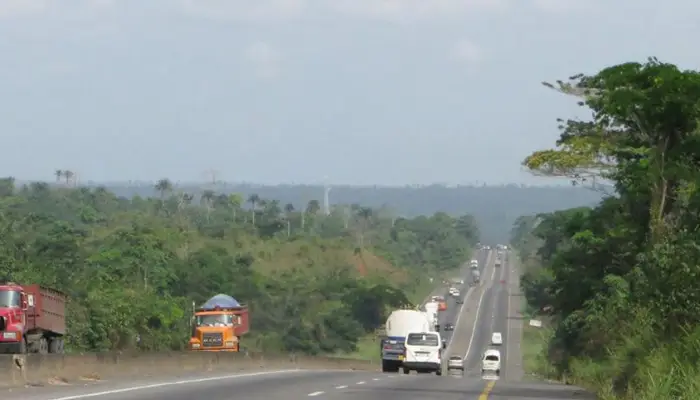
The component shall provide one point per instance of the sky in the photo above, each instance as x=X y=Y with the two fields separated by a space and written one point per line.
x=387 y=92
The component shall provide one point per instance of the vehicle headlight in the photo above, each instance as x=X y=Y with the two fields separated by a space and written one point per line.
x=229 y=344
x=9 y=335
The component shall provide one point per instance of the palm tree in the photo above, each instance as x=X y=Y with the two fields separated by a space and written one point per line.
x=164 y=186
x=288 y=210
x=254 y=200
x=69 y=177
x=59 y=174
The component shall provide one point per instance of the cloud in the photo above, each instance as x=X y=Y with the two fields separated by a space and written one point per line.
x=563 y=6
x=467 y=52
x=264 y=59
x=413 y=10
x=20 y=8
x=244 y=10
x=270 y=10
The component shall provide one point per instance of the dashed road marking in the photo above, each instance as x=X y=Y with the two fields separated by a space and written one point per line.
x=361 y=382
x=315 y=394
x=341 y=387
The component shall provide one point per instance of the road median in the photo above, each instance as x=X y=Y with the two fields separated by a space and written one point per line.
x=54 y=369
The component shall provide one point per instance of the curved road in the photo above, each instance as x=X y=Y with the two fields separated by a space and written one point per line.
x=486 y=309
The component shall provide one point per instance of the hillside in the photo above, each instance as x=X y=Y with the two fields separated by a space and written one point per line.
x=132 y=267
x=494 y=207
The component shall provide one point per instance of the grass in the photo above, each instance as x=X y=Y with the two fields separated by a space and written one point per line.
x=534 y=350
x=367 y=349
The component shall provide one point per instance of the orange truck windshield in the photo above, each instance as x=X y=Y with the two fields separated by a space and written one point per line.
x=216 y=320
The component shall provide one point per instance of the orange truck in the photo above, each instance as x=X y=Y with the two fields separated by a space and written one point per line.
x=442 y=304
x=219 y=324
x=32 y=319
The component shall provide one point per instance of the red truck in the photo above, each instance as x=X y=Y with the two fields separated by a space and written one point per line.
x=32 y=319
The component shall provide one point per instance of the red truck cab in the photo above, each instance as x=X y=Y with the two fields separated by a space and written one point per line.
x=32 y=319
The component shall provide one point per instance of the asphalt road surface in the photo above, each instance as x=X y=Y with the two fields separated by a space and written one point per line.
x=486 y=310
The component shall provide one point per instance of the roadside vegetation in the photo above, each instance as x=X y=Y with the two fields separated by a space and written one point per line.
x=618 y=283
x=132 y=267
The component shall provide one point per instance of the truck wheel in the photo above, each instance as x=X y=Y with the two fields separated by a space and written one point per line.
x=56 y=346
x=406 y=371
x=43 y=346
x=438 y=372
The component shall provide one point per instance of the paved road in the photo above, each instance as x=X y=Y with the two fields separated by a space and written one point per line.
x=486 y=304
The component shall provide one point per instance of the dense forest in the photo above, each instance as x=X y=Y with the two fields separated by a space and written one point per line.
x=132 y=266
x=495 y=208
x=618 y=282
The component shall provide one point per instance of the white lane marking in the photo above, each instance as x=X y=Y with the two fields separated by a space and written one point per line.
x=375 y=379
x=476 y=322
x=464 y=303
x=341 y=387
x=175 y=383
x=361 y=382
x=315 y=394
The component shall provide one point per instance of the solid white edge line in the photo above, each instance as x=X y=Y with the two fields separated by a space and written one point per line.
x=174 y=383
x=476 y=319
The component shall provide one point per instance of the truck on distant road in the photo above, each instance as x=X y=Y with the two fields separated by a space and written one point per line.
x=32 y=319
x=398 y=325
x=219 y=324
x=476 y=276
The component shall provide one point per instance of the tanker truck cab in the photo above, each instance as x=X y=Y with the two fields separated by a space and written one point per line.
x=423 y=353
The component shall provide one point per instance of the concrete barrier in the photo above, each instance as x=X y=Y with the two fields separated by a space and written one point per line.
x=35 y=369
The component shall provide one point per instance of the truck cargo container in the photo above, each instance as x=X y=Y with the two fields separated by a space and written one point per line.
x=219 y=324
x=32 y=319
x=399 y=323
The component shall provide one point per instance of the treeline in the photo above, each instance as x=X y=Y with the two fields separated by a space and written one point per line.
x=619 y=282
x=315 y=283
x=494 y=207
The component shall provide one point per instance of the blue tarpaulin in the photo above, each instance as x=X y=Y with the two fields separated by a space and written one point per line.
x=221 y=300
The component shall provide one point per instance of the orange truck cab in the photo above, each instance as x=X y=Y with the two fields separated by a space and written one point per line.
x=218 y=325
x=442 y=304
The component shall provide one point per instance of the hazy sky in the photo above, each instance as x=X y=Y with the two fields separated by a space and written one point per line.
x=361 y=91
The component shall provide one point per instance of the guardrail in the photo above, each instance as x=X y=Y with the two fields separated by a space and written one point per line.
x=36 y=369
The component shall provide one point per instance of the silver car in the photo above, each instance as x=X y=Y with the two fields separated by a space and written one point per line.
x=455 y=362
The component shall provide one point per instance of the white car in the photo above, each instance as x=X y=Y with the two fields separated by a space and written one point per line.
x=496 y=339
x=491 y=361
x=455 y=362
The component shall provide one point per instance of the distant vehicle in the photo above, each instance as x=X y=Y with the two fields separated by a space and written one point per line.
x=449 y=327
x=498 y=262
x=476 y=276
x=491 y=361
x=496 y=339
x=474 y=264
x=455 y=362
x=459 y=301
x=423 y=353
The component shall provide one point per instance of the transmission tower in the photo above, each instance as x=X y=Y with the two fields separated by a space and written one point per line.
x=326 y=197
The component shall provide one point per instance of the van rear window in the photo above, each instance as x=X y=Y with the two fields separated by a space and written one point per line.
x=422 y=339
x=491 y=358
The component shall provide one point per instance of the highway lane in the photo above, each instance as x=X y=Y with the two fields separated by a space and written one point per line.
x=453 y=309
x=489 y=300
